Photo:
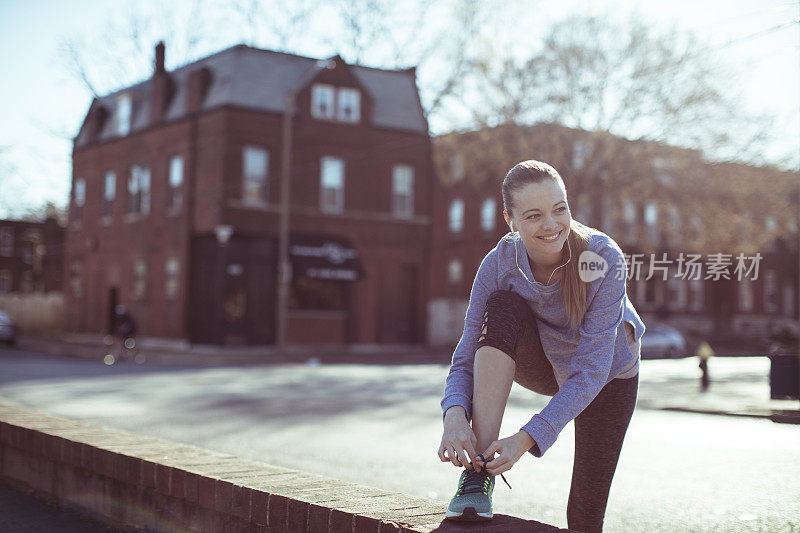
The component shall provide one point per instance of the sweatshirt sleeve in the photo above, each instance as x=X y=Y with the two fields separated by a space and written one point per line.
x=458 y=386
x=591 y=364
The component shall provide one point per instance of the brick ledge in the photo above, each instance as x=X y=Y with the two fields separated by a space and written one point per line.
x=142 y=483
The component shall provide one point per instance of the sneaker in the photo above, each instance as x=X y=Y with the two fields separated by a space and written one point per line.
x=473 y=499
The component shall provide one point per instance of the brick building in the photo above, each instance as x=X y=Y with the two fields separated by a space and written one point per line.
x=31 y=256
x=652 y=199
x=176 y=198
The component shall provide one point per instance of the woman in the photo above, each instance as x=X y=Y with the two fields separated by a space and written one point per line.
x=545 y=312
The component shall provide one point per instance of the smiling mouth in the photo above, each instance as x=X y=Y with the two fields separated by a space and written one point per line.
x=552 y=238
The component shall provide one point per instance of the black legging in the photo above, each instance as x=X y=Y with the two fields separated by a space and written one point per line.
x=510 y=326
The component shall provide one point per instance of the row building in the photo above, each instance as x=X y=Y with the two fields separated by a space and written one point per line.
x=666 y=207
x=177 y=195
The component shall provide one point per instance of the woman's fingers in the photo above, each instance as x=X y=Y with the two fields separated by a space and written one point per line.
x=440 y=452
x=498 y=465
x=453 y=457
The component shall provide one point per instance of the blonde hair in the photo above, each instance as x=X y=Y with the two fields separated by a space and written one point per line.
x=573 y=288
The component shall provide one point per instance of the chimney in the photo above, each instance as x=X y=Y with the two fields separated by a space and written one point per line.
x=160 y=87
x=159 y=62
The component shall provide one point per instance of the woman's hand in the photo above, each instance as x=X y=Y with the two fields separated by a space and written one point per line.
x=509 y=451
x=458 y=439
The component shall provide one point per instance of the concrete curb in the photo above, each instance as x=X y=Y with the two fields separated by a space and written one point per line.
x=142 y=483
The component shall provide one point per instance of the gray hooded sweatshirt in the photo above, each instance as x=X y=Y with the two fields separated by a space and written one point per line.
x=584 y=359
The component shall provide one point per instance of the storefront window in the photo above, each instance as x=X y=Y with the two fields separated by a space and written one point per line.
x=317 y=294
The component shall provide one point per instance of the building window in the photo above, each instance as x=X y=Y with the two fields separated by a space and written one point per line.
x=674 y=217
x=651 y=221
x=349 y=105
x=331 y=197
x=322 y=101
x=76 y=278
x=771 y=291
x=109 y=191
x=457 y=167
x=454 y=272
x=676 y=292
x=174 y=197
x=456 y=215
x=5 y=281
x=662 y=168
x=123 y=116
x=770 y=225
x=403 y=191
x=317 y=294
x=629 y=217
x=745 y=295
x=580 y=152
x=139 y=280
x=171 y=278
x=488 y=214
x=139 y=190
x=696 y=294
x=79 y=199
x=695 y=226
x=7 y=242
x=255 y=162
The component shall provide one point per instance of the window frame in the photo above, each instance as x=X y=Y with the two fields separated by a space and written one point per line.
x=123 y=114
x=488 y=222
x=7 y=241
x=261 y=181
x=139 y=279
x=318 y=89
x=342 y=94
x=107 y=203
x=337 y=206
x=451 y=210
x=172 y=278
x=138 y=190
x=175 y=191
x=403 y=200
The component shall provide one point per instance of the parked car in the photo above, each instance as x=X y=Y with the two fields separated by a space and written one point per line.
x=661 y=341
x=8 y=329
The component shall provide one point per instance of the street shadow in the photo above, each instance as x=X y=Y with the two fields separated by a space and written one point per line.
x=499 y=523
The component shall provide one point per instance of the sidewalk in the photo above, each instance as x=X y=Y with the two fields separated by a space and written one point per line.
x=739 y=384
x=24 y=513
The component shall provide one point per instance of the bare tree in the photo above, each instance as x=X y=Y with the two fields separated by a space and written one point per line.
x=629 y=79
x=612 y=83
x=123 y=53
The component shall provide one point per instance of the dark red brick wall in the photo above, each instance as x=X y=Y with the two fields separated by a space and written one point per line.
x=387 y=245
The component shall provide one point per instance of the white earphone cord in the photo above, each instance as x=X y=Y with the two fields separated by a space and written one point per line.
x=516 y=260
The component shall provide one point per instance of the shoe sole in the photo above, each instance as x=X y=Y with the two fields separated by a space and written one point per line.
x=468 y=515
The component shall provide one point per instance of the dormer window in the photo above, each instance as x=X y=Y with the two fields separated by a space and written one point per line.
x=349 y=108
x=322 y=103
x=342 y=104
x=123 y=116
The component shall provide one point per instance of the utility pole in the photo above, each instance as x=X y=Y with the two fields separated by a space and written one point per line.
x=284 y=268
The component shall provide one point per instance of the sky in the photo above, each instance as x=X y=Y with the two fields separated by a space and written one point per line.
x=42 y=105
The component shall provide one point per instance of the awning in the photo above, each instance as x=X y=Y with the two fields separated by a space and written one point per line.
x=324 y=257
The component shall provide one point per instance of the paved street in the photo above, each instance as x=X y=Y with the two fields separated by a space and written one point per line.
x=380 y=425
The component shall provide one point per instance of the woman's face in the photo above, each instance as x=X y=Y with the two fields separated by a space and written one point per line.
x=541 y=215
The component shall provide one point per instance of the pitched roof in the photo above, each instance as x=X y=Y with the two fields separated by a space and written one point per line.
x=259 y=79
